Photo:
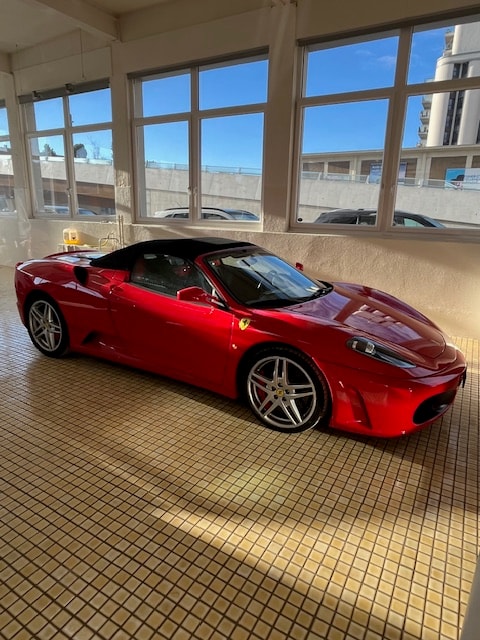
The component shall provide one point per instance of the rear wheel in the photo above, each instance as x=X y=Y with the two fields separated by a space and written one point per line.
x=286 y=391
x=47 y=329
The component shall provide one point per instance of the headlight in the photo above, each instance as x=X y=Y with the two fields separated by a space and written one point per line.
x=378 y=352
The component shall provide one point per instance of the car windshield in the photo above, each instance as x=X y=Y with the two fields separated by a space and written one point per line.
x=260 y=279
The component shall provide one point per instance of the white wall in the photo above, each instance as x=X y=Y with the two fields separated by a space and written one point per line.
x=440 y=278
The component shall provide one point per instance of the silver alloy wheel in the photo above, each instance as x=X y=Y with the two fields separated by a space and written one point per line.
x=282 y=392
x=45 y=326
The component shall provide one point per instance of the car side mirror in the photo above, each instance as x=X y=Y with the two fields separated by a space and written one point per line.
x=196 y=294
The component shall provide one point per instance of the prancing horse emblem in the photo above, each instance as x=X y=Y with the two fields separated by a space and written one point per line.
x=243 y=323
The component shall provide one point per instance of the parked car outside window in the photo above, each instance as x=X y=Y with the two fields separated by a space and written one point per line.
x=209 y=213
x=65 y=211
x=369 y=217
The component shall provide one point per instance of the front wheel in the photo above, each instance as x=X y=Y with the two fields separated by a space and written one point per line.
x=286 y=391
x=47 y=328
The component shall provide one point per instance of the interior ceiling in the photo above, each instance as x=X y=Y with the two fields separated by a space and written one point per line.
x=26 y=23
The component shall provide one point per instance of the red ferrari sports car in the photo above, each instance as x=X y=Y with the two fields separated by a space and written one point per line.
x=236 y=319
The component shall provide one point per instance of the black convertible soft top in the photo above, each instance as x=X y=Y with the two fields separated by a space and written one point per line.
x=188 y=248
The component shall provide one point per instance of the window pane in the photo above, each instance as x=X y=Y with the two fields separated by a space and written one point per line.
x=48 y=115
x=7 y=199
x=443 y=119
x=352 y=67
x=446 y=53
x=441 y=153
x=233 y=84
x=232 y=158
x=166 y=94
x=49 y=175
x=3 y=122
x=93 y=163
x=91 y=107
x=7 y=194
x=341 y=162
x=164 y=150
x=93 y=146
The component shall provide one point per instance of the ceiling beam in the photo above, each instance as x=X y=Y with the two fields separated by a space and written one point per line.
x=83 y=15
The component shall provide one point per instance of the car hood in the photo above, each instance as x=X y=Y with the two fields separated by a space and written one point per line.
x=377 y=315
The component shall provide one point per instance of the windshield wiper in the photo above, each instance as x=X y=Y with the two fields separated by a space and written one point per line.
x=327 y=288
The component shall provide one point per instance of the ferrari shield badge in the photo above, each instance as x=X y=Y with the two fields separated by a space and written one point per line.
x=243 y=323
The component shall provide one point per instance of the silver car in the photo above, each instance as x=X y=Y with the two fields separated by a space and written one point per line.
x=209 y=213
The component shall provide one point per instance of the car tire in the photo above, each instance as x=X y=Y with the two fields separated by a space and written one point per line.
x=285 y=390
x=47 y=328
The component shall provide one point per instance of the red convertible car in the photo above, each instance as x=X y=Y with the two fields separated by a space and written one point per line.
x=234 y=318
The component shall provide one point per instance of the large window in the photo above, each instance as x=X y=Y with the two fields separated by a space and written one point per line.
x=440 y=138
x=7 y=199
x=390 y=130
x=343 y=120
x=199 y=142
x=70 y=148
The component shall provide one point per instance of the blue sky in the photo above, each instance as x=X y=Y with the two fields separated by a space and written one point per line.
x=370 y=65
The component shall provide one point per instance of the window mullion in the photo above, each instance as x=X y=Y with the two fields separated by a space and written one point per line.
x=176 y=117
x=195 y=147
x=69 y=162
x=353 y=96
x=301 y=83
x=394 y=133
x=219 y=112
x=139 y=146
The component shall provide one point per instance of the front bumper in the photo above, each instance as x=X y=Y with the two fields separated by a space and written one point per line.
x=371 y=404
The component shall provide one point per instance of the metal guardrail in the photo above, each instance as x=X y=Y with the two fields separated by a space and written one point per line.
x=245 y=171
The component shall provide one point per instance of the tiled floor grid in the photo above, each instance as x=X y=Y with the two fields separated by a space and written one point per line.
x=135 y=507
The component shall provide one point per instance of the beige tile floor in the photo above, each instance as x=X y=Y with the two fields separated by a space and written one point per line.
x=135 y=507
